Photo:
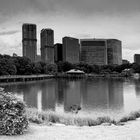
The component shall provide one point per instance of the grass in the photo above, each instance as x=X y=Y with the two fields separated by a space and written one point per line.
x=75 y=119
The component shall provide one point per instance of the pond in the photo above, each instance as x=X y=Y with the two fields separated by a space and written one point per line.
x=93 y=96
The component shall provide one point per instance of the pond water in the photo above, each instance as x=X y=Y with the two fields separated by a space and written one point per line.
x=96 y=96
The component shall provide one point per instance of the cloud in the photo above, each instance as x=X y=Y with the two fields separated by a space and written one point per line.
x=9 y=32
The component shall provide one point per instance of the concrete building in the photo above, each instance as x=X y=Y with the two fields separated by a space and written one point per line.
x=47 y=45
x=137 y=58
x=38 y=58
x=101 y=51
x=71 y=49
x=58 y=52
x=114 y=51
x=93 y=51
x=124 y=61
x=29 y=41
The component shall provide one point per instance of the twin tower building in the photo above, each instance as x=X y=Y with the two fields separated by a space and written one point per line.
x=90 y=51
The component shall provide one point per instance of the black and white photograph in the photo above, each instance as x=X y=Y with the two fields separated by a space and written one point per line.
x=69 y=69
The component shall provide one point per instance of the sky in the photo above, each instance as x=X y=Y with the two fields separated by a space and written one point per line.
x=119 y=19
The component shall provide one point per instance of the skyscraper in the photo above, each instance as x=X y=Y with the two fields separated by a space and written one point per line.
x=29 y=41
x=58 y=52
x=114 y=51
x=47 y=45
x=71 y=49
x=137 y=58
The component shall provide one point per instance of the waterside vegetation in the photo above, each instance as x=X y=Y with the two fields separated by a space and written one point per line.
x=16 y=65
x=76 y=119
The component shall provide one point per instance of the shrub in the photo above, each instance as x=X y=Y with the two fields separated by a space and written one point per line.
x=12 y=115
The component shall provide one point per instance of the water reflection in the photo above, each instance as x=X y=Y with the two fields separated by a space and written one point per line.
x=90 y=95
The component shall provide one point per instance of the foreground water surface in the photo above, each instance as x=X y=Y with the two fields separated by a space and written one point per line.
x=96 y=96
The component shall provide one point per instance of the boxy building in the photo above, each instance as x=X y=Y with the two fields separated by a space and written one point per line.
x=101 y=51
x=93 y=51
x=114 y=51
x=71 y=49
x=58 y=52
x=137 y=58
x=29 y=41
x=47 y=45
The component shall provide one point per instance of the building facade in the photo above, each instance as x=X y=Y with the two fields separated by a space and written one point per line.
x=47 y=45
x=29 y=41
x=137 y=58
x=71 y=49
x=58 y=52
x=93 y=51
x=114 y=51
x=101 y=51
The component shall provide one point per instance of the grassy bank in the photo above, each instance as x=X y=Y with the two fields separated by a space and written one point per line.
x=75 y=119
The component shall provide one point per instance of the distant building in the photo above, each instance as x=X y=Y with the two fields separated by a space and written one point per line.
x=101 y=51
x=47 y=45
x=38 y=58
x=29 y=41
x=114 y=51
x=94 y=51
x=125 y=61
x=71 y=49
x=137 y=58
x=58 y=52
x=15 y=55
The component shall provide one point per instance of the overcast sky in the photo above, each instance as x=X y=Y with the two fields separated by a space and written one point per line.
x=118 y=19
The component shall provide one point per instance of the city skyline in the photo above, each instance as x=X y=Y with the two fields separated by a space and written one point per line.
x=79 y=19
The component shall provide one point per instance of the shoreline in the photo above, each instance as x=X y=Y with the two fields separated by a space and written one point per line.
x=129 y=131
x=28 y=78
x=38 y=117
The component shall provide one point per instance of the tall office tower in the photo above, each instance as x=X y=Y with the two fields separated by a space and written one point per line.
x=137 y=58
x=29 y=41
x=47 y=45
x=71 y=50
x=114 y=51
x=58 y=52
x=93 y=51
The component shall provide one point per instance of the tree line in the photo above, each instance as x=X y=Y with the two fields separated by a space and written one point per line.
x=10 y=65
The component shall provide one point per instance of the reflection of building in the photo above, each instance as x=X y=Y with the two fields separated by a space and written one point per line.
x=58 y=52
x=29 y=41
x=137 y=87
x=30 y=97
x=94 y=96
x=102 y=95
x=101 y=51
x=115 y=94
x=60 y=90
x=47 y=45
x=137 y=58
x=72 y=95
x=48 y=95
x=71 y=49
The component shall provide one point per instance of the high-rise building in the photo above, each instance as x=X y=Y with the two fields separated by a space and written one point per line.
x=114 y=51
x=93 y=51
x=58 y=52
x=29 y=41
x=71 y=49
x=47 y=45
x=137 y=58
x=101 y=51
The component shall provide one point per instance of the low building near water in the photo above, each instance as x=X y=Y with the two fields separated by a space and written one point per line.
x=74 y=73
